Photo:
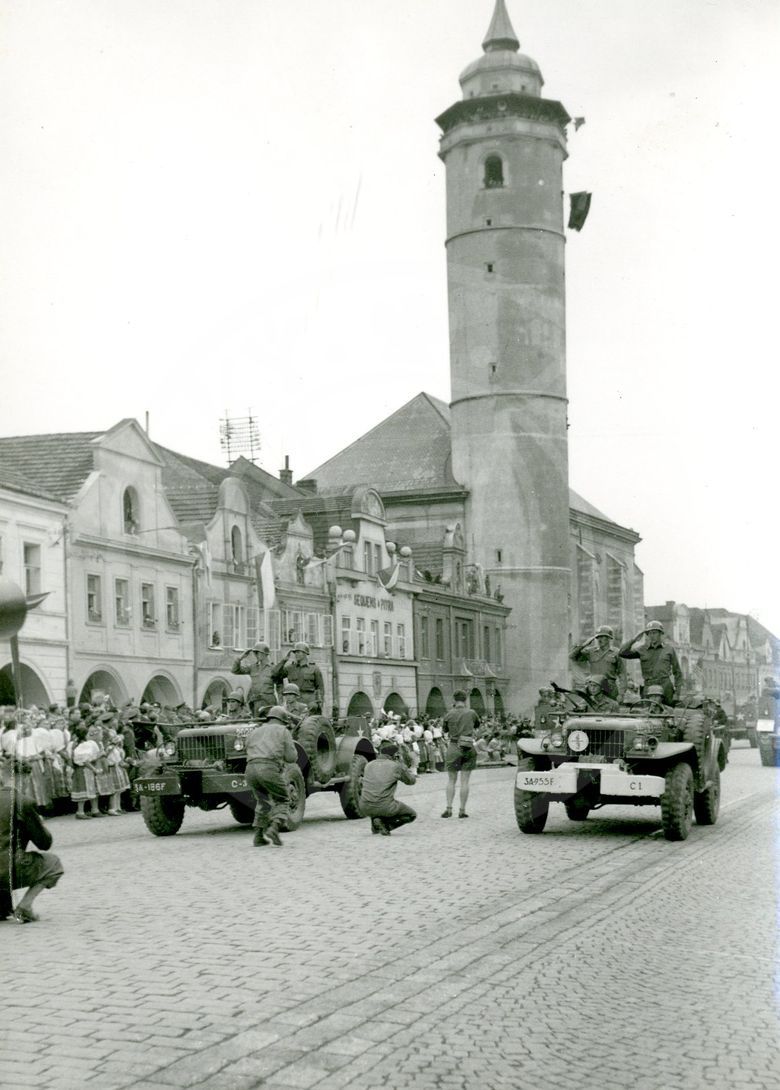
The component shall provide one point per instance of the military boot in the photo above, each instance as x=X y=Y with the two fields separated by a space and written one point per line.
x=259 y=839
x=273 y=834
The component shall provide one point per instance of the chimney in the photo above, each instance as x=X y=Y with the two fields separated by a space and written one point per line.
x=285 y=475
x=309 y=485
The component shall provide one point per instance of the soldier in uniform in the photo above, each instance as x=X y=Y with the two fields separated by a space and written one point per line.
x=304 y=674
x=262 y=691
x=596 y=696
x=600 y=657
x=654 y=697
x=269 y=747
x=658 y=659
x=236 y=708
x=293 y=703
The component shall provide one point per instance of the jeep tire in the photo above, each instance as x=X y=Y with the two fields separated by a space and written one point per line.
x=677 y=802
x=349 y=794
x=242 y=813
x=296 y=789
x=706 y=803
x=577 y=808
x=318 y=741
x=531 y=807
x=162 y=816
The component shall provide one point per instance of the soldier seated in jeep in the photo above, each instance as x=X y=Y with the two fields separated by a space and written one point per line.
x=596 y=696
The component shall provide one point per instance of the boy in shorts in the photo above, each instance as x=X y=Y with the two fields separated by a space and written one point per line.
x=460 y=723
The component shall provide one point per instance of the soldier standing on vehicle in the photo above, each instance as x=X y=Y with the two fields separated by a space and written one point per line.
x=255 y=664
x=658 y=659
x=293 y=703
x=377 y=794
x=236 y=708
x=599 y=656
x=597 y=697
x=269 y=747
x=306 y=675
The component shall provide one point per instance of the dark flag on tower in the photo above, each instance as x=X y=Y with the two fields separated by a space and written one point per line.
x=579 y=206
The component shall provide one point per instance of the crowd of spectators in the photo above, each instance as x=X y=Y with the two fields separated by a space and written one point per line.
x=424 y=740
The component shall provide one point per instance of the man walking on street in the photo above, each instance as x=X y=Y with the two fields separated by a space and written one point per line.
x=599 y=657
x=658 y=660
x=262 y=691
x=269 y=747
x=377 y=795
x=20 y=824
x=460 y=723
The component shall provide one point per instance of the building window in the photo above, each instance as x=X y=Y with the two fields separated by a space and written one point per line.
x=32 y=568
x=486 y=643
x=499 y=556
x=215 y=624
x=373 y=647
x=368 y=558
x=360 y=624
x=490 y=267
x=377 y=558
x=172 y=607
x=94 y=599
x=388 y=640
x=237 y=549
x=122 y=602
x=497 y=651
x=494 y=172
x=130 y=519
x=401 y=634
x=346 y=635
x=439 y=639
x=233 y=625
x=464 y=639
x=148 y=619
x=424 y=645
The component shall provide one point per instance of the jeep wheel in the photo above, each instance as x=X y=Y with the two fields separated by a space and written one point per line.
x=162 y=816
x=317 y=740
x=706 y=803
x=296 y=790
x=768 y=758
x=242 y=813
x=577 y=809
x=349 y=795
x=677 y=802
x=531 y=808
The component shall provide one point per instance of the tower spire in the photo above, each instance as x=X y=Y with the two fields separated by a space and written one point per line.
x=501 y=33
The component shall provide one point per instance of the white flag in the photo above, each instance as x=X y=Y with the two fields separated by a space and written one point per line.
x=267 y=581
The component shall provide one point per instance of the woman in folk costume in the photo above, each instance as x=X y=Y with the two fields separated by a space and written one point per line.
x=83 y=752
x=59 y=766
x=96 y=733
x=32 y=746
x=115 y=757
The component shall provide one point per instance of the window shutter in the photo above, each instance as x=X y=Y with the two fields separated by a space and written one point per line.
x=313 y=630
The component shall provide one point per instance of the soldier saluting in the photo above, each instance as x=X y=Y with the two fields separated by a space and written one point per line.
x=658 y=659
x=306 y=675
x=254 y=662
x=602 y=659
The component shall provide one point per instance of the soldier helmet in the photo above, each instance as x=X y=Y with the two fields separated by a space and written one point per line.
x=301 y=646
x=278 y=713
x=262 y=647
x=390 y=749
x=291 y=689
x=605 y=630
x=594 y=679
x=655 y=690
x=236 y=694
x=655 y=626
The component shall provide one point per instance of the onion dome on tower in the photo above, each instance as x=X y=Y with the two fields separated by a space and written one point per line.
x=503 y=68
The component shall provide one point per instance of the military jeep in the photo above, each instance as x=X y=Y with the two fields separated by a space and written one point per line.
x=203 y=766
x=671 y=758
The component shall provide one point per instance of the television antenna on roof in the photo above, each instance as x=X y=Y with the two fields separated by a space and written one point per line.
x=239 y=435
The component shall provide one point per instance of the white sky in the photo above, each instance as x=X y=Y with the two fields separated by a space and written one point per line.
x=211 y=205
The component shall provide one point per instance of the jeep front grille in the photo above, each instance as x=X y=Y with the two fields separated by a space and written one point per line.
x=204 y=747
x=604 y=743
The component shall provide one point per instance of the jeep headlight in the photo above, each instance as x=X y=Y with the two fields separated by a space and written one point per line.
x=557 y=740
x=168 y=749
x=238 y=744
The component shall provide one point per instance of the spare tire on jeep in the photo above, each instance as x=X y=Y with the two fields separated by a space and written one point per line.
x=318 y=741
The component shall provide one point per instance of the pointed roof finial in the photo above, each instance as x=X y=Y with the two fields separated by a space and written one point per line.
x=501 y=33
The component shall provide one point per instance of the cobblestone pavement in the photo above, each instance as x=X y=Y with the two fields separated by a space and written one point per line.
x=454 y=954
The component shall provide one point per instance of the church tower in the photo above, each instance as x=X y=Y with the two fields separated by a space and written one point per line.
x=503 y=145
